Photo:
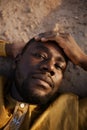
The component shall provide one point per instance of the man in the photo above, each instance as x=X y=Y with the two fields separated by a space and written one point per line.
x=37 y=74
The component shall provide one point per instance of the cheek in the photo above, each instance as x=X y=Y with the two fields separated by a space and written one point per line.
x=24 y=68
x=21 y=73
x=28 y=65
x=58 y=80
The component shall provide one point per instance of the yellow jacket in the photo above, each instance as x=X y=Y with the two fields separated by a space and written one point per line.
x=65 y=113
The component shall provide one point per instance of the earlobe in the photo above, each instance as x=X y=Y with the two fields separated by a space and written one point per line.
x=16 y=60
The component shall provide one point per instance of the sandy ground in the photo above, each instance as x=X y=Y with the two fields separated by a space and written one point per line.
x=20 y=20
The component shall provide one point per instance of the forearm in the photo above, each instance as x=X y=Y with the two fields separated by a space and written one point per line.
x=6 y=66
x=83 y=62
x=5 y=61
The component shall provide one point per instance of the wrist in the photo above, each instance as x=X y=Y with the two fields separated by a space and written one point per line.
x=8 y=49
x=13 y=50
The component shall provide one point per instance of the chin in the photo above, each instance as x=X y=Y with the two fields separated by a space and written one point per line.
x=34 y=97
x=36 y=100
x=34 y=94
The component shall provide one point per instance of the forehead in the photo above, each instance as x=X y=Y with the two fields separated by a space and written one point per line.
x=49 y=47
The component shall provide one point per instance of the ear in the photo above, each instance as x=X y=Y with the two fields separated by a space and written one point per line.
x=18 y=57
x=16 y=60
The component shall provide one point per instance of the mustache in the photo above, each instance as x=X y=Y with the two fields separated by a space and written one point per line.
x=45 y=77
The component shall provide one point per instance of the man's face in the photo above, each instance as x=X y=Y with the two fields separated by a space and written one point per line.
x=39 y=72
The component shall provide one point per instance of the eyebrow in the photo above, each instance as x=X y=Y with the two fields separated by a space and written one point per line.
x=61 y=59
x=42 y=47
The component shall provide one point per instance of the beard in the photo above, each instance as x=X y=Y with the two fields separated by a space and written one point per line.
x=32 y=94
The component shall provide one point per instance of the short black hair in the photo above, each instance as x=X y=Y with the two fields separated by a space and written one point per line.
x=27 y=44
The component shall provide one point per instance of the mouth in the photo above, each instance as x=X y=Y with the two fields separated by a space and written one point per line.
x=43 y=80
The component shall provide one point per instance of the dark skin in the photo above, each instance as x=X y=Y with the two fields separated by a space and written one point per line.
x=69 y=46
x=64 y=40
x=39 y=73
x=75 y=55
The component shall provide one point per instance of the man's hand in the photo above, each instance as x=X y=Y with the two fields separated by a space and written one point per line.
x=68 y=44
x=10 y=49
x=13 y=49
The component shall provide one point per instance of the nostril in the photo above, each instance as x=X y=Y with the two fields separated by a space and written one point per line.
x=46 y=68
x=52 y=73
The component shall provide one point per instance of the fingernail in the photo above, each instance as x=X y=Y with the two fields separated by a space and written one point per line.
x=43 y=39
x=36 y=37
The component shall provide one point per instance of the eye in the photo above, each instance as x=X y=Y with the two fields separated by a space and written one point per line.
x=40 y=55
x=58 y=66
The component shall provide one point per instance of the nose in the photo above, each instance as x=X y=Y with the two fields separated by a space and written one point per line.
x=48 y=66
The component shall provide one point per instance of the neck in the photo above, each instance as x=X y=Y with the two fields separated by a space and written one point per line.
x=15 y=94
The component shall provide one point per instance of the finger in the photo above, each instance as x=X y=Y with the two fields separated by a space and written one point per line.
x=47 y=35
x=37 y=38
x=43 y=39
x=50 y=37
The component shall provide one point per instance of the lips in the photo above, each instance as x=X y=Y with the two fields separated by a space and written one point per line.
x=44 y=78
